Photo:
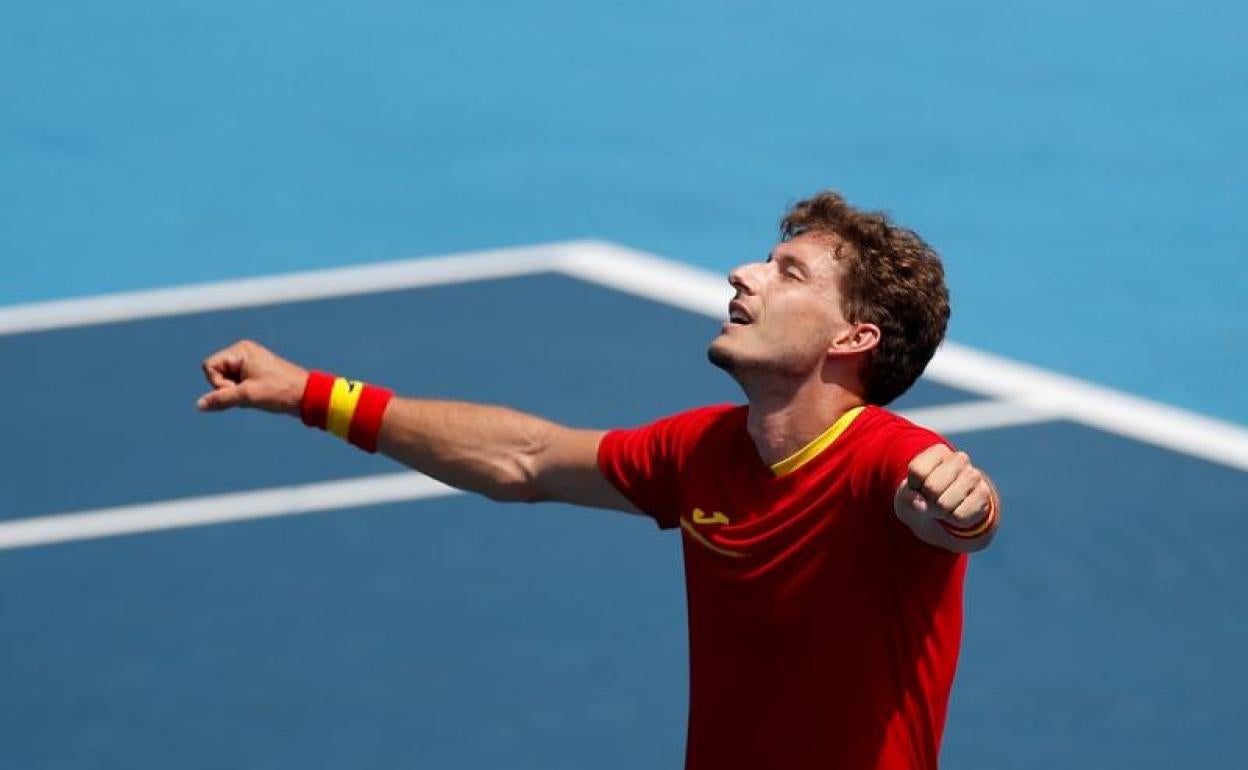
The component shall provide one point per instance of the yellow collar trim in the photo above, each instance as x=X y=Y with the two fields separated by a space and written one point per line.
x=817 y=445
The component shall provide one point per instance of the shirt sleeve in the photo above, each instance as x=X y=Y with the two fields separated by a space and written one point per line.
x=644 y=463
x=902 y=446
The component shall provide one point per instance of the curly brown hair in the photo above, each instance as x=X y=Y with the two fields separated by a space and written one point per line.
x=892 y=279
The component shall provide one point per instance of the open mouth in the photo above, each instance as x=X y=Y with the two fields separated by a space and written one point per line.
x=737 y=314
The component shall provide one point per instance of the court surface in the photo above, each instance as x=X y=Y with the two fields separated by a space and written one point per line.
x=233 y=590
x=1079 y=165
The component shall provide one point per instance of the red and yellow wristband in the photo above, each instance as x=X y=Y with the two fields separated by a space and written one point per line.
x=977 y=529
x=349 y=409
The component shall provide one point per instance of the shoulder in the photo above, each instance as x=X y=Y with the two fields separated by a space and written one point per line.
x=880 y=424
x=719 y=417
x=715 y=414
x=707 y=426
x=678 y=432
x=886 y=442
x=698 y=419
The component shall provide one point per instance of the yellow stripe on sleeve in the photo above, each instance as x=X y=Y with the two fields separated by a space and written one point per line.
x=342 y=402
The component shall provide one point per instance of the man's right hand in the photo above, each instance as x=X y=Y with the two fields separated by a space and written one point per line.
x=494 y=451
x=248 y=375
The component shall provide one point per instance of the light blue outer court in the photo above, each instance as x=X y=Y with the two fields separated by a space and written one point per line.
x=1081 y=166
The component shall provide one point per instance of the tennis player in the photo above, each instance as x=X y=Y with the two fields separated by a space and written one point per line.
x=825 y=538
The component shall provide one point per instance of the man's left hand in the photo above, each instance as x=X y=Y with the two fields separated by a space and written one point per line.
x=942 y=484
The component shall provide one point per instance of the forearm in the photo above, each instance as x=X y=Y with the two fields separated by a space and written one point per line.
x=484 y=449
x=500 y=453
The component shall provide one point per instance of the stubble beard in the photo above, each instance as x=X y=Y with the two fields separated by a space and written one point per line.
x=751 y=374
x=737 y=365
x=720 y=356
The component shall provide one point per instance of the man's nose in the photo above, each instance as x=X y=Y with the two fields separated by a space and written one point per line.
x=739 y=278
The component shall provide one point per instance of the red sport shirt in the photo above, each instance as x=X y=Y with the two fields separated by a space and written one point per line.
x=822 y=632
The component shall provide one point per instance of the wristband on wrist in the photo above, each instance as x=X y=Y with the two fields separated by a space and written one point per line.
x=975 y=530
x=349 y=409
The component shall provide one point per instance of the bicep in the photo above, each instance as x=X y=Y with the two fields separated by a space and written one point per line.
x=567 y=471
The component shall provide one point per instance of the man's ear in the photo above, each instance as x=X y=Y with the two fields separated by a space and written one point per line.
x=854 y=339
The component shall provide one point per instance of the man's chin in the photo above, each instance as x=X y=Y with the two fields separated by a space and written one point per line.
x=718 y=354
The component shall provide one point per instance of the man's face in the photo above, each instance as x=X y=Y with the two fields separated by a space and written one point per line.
x=786 y=313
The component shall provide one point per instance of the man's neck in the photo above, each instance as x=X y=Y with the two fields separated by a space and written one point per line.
x=783 y=421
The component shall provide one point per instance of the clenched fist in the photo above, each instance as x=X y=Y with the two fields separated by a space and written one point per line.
x=249 y=375
x=943 y=485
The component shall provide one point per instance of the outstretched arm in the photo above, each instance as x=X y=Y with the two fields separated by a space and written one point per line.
x=501 y=453
x=948 y=502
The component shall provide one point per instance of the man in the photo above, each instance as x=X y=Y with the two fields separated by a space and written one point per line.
x=824 y=537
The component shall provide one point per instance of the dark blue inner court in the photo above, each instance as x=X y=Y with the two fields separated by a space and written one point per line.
x=1105 y=627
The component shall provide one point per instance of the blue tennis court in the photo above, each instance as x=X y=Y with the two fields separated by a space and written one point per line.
x=433 y=629
x=232 y=590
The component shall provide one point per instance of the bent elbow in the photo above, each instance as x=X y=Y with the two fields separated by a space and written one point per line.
x=519 y=482
x=514 y=492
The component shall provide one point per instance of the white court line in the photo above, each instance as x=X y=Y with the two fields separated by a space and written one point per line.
x=354 y=493
x=955 y=365
x=1113 y=411
x=951 y=419
x=1025 y=394
x=220 y=509
x=277 y=289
